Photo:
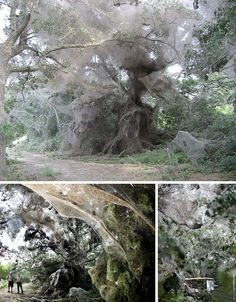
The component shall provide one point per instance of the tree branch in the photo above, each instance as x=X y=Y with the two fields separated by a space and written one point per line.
x=13 y=38
x=24 y=68
x=68 y=46
x=113 y=74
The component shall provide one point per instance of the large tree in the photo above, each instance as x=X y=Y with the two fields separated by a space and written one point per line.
x=131 y=54
x=21 y=52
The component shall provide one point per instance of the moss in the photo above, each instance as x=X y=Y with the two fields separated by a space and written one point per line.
x=109 y=291
x=144 y=203
x=125 y=282
x=131 y=279
x=99 y=271
x=114 y=267
x=233 y=250
x=110 y=277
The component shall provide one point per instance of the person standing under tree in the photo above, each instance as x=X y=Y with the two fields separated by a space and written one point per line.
x=19 y=283
x=10 y=279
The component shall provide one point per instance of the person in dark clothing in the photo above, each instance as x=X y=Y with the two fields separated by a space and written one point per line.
x=10 y=279
x=19 y=283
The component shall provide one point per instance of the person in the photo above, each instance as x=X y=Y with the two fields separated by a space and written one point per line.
x=10 y=279
x=19 y=283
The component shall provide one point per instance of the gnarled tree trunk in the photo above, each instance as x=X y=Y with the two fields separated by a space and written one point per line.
x=134 y=129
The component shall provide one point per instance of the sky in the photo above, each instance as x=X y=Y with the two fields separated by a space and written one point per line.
x=4 y=11
x=5 y=236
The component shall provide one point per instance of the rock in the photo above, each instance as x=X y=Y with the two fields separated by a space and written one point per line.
x=171 y=283
x=62 y=278
x=79 y=293
x=192 y=147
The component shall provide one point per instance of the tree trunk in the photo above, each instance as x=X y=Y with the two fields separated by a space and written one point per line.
x=134 y=130
x=3 y=165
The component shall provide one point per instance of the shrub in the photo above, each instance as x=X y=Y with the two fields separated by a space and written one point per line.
x=48 y=172
x=12 y=130
x=51 y=144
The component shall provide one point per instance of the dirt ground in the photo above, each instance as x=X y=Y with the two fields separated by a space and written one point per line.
x=8 y=297
x=14 y=297
x=31 y=166
x=35 y=166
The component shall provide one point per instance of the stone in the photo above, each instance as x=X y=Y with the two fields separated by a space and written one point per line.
x=62 y=278
x=80 y=294
x=191 y=146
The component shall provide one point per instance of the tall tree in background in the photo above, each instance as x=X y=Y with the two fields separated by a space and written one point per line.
x=20 y=53
x=14 y=45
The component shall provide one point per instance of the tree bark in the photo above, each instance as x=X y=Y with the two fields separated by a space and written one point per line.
x=3 y=165
x=8 y=50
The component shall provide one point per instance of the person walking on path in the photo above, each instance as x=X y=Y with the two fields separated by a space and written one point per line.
x=19 y=283
x=10 y=279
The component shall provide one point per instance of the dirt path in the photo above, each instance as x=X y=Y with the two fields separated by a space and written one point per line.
x=37 y=166
x=14 y=297
x=8 y=297
x=34 y=166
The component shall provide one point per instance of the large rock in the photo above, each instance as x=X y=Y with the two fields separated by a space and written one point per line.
x=80 y=294
x=192 y=147
x=62 y=278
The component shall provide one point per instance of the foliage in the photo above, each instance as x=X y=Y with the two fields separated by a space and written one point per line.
x=227 y=163
x=48 y=172
x=212 y=54
x=12 y=131
x=160 y=156
x=51 y=144
x=208 y=249
x=224 y=205
x=208 y=101
x=4 y=270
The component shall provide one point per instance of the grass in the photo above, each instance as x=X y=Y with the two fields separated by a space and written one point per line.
x=158 y=157
x=14 y=170
x=176 y=166
x=12 y=162
x=48 y=172
x=150 y=158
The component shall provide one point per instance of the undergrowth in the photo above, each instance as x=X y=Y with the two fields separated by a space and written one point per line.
x=48 y=172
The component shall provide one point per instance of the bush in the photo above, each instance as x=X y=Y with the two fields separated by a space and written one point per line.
x=224 y=123
x=227 y=163
x=4 y=270
x=12 y=131
x=51 y=144
x=48 y=172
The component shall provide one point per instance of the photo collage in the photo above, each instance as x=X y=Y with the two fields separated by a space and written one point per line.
x=117 y=151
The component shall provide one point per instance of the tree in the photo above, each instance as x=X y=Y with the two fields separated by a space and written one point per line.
x=215 y=50
x=132 y=58
x=19 y=42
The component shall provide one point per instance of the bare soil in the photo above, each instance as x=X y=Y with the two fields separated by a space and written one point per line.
x=33 y=167
x=14 y=297
x=8 y=297
x=41 y=167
